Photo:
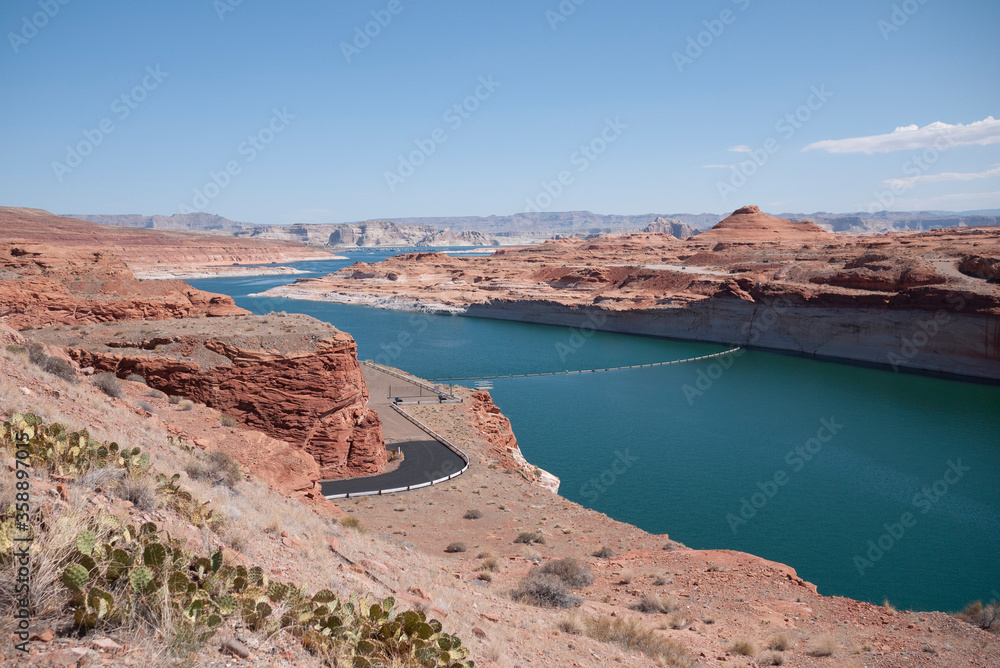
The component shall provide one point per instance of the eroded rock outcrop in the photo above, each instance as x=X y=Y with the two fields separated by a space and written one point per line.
x=293 y=377
x=495 y=429
x=840 y=296
x=43 y=284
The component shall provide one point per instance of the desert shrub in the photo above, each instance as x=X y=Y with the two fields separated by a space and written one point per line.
x=986 y=617
x=604 y=553
x=484 y=576
x=532 y=555
x=678 y=620
x=156 y=394
x=185 y=405
x=772 y=659
x=654 y=604
x=626 y=577
x=633 y=636
x=570 y=571
x=352 y=523
x=544 y=590
x=228 y=421
x=215 y=467
x=780 y=642
x=529 y=537
x=54 y=365
x=174 y=399
x=473 y=514
x=108 y=383
x=135 y=378
x=490 y=563
x=743 y=647
x=139 y=490
x=146 y=406
x=456 y=547
x=823 y=646
x=15 y=349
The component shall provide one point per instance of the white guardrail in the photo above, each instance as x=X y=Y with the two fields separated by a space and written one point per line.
x=409 y=379
x=441 y=439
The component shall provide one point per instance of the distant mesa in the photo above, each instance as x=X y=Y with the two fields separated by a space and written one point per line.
x=749 y=223
x=671 y=226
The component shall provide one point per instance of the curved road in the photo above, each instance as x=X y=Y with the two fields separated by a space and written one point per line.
x=424 y=459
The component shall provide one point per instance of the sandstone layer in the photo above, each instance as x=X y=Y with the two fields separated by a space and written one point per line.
x=44 y=285
x=147 y=249
x=292 y=377
x=923 y=301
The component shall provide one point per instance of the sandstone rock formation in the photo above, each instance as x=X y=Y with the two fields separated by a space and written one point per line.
x=675 y=228
x=44 y=285
x=292 y=377
x=753 y=279
x=751 y=224
x=496 y=430
x=146 y=249
x=371 y=234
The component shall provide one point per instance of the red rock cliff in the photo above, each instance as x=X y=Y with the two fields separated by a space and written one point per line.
x=292 y=377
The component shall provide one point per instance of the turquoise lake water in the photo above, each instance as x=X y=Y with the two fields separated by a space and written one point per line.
x=871 y=484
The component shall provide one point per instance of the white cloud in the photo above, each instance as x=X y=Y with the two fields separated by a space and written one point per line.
x=941 y=135
x=742 y=148
x=912 y=181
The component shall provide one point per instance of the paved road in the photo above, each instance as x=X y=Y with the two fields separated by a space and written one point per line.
x=424 y=459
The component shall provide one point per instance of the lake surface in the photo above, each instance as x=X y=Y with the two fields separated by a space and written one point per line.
x=871 y=484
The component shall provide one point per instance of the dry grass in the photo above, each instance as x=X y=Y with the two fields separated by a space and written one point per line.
x=473 y=515
x=529 y=537
x=604 y=553
x=679 y=620
x=986 y=617
x=626 y=576
x=109 y=384
x=825 y=645
x=574 y=573
x=630 y=635
x=544 y=590
x=780 y=642
x=743 y=647
x=352 y=523
x=653 y=603
x=771 y=659
x=215 y=467
x=456 y=548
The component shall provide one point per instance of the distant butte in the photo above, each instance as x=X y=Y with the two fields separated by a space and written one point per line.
x=751 y=224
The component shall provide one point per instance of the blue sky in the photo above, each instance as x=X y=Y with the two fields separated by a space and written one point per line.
x=287 y=112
